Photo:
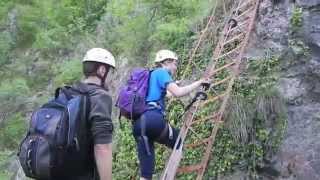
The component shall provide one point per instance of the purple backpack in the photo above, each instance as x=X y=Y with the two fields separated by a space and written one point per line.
x=132 y=97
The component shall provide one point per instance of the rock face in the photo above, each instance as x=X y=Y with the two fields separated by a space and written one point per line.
x=298 y=157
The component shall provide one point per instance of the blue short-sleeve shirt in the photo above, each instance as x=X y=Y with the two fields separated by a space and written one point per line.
x=159 y=79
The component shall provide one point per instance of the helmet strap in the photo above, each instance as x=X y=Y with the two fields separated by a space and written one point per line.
x=103 y=77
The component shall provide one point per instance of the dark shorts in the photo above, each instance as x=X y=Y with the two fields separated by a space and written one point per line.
x=154 y=126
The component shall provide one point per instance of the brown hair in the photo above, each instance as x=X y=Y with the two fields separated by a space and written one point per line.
x=159 y=64
x=90 y=68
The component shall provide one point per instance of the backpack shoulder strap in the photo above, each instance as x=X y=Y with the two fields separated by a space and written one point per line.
x=67 y=90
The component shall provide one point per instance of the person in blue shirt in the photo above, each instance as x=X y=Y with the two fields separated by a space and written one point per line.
x=152 y=126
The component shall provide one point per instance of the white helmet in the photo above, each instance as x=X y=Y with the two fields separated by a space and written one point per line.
x=100 y=55
x=165 y=54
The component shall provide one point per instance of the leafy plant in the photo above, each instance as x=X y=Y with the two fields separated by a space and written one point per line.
x=12 y=89
x=6 y=45
x=257 y=117
x=296 y=18
x=68 y=72
x=12 y=131
x=125 y=158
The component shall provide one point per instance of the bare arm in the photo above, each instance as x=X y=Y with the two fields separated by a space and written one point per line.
x=103 y=157
x=168 y=94
x=177 y=91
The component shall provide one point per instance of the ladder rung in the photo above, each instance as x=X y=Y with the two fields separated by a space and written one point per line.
x=207 y=152
x=221 y=81
x=223 y=67
x=238 y=26
x=198 y=143
x=190 y=168
x=230 y=52
x=195 y=133
x=234 y=38
x=244 y=4
x=243 y=14
x=205 y=119
x=213 y=99
x=244 y=22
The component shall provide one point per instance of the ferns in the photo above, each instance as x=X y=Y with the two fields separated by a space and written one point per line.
x=239 y=118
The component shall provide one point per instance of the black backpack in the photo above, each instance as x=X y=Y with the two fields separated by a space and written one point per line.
x=57 y=143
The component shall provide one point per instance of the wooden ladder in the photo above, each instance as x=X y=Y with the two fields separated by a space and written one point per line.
x=226 y=60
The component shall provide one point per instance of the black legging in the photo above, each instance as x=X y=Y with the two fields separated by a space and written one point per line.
x=154 y=125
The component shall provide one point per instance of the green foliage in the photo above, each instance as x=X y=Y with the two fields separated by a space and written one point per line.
x=89 y=11
x=12 y=89
x=13 y=96
x=295 y=42
x=12 y=131
x=296 y=18
x=29 y=18
x=40 y=71
x=258 y=105
x=125 y=156
x=135 y=27
x=51 y=39
x=239 y=119
x=246 y=139
x=173 y=33
x=226 y=154
x=133 y=36
x=4 y=175
x=4 y=157
x=262 y=75
x=68 y=72
x=5 y=47
x=4 y=8
x=49 y=24
x=172 y=25
x=299 y=48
